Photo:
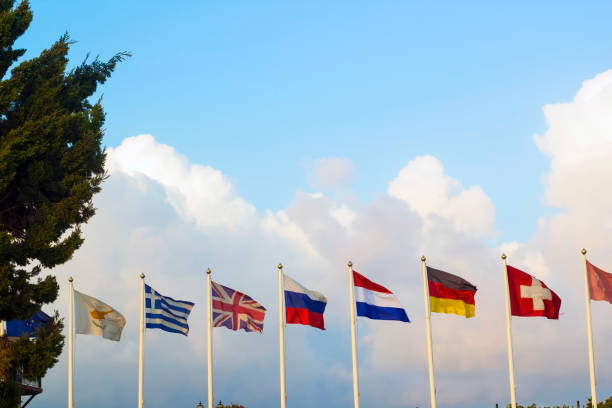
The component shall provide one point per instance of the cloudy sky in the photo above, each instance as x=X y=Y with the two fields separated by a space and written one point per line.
x=246 y=134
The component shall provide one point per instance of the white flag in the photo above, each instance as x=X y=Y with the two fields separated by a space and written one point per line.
x=93 y=316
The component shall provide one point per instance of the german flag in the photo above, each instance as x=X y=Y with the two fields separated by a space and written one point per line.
x=449 y=293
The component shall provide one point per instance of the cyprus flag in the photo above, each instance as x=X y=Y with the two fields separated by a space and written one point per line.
x=93 y=316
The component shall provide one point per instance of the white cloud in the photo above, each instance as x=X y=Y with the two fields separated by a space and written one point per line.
x=196 y=192
x=579 y=144
x=426 y=189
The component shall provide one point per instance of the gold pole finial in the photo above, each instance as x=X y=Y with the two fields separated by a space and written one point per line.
x=423 y=259
x=350 y=264
x=142 y=276
x=70 y=279
x=208 y=271
x=503 y=256
x=280 y=266
x=583 y=251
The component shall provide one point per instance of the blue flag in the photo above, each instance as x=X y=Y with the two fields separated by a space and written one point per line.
x=165 y=313
x=15 y=328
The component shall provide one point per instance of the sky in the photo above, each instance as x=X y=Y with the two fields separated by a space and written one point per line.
x=240 y=135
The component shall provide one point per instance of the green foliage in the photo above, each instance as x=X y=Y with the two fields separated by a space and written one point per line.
x=13 y=24
x=602 y=404
x=38 y=355
x=51 y=165
x=9 y=394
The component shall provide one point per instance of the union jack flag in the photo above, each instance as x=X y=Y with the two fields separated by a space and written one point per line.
x=235 y=310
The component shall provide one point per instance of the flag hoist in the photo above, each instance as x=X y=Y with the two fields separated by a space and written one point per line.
x=141 y=342
x=353 y=334
x=587 y=299
x=509 y=335
x=281 y=335
x=209 y=337
x=432 y=384
x=70 y=345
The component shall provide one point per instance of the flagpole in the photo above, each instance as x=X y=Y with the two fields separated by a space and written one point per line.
x=209 y=336
x=141 y=342
x=509 y=336
x=70 y=346
x=281 y=334
x=587 y=299
x=353 y=335
x=432 y=384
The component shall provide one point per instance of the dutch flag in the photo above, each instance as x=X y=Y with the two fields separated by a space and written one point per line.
x=375 y=301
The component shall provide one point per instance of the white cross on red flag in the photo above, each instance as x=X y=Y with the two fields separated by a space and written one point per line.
x=530 y=296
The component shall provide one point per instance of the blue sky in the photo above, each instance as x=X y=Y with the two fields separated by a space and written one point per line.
x=259 y=89
x=429 y=112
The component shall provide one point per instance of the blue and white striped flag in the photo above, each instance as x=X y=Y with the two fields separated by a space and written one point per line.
x=163 y=312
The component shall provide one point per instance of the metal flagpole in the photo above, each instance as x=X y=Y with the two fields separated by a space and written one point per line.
x=509 y=336
x=587 y=299
x=141 y=342
x=70 y=346
x=281 y=334
x=432 y=384
x=353 y=335
x=209 y=336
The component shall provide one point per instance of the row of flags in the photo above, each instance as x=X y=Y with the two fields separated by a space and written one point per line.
x=444 y=292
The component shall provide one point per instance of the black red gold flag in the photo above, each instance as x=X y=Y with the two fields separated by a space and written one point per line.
x=450 y=293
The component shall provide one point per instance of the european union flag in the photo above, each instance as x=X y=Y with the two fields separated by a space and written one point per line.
x=15 y=328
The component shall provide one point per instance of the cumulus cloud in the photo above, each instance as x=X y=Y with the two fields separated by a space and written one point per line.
x=426 y=189
x=197 y=192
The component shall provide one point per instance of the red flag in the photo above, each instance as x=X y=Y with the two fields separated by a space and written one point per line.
x=600 y=283
x=530 y=296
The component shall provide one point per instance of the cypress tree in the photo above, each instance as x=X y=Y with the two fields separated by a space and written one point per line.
x=51 y=165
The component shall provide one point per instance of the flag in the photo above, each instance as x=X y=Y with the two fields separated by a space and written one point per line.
x=92 y=316
x=303 y=306
x=600 y=283
x=450 y=293
x=530 y=296
x=235 y=310
x=165 y=313
x=15 y=328
x=375 y=301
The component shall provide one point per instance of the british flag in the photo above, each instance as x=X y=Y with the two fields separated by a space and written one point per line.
x=235 y=310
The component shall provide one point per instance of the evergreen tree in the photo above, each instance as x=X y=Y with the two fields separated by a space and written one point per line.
x=51 y=165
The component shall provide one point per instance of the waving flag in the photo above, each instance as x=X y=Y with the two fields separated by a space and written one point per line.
x=15 y=328
x=303 y=306
x=165 y=313
x=450 y=293
x=600 y=283
x=530 y=296
x=235 y=310
x=92 y=316
x=375 y=301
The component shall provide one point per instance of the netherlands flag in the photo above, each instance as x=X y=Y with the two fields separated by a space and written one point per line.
x=303 y=306
x=375 y=301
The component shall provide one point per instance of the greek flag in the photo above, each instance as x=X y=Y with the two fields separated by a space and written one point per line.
x=163 y=312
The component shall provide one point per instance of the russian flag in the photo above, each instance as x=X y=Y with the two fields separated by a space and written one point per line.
x=303 y=306
x=375 y=301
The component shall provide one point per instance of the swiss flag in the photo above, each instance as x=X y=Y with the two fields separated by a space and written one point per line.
x=530 y=296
